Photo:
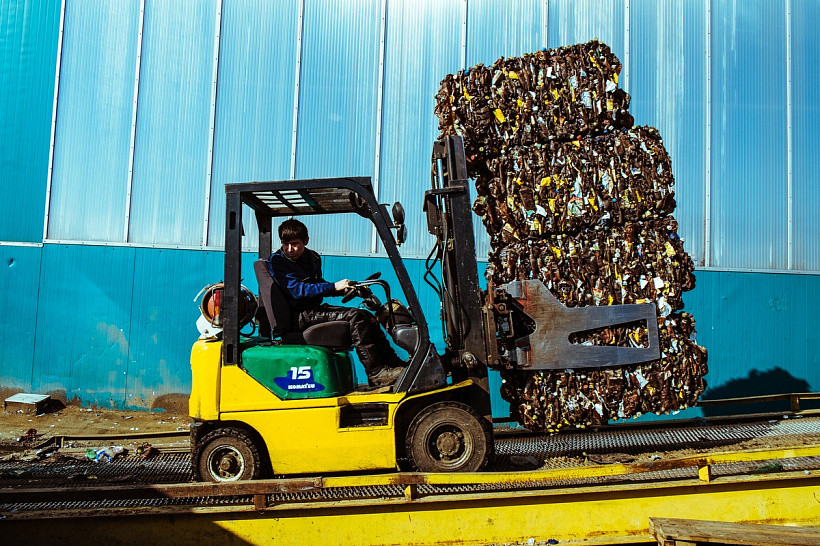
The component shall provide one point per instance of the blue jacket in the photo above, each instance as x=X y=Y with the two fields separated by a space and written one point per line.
x=301 y=280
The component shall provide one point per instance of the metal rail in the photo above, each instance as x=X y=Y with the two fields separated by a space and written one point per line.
x=794 y=399
x=611 y=513
x=262 y=490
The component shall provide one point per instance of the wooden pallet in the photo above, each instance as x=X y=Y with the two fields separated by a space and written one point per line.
x=689 y=532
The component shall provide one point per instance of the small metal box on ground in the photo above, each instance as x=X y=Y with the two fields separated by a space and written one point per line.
x=29 y=403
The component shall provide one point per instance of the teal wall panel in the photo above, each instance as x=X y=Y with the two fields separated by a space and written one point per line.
x=337 y=267
x=19 y=277
x=114 y=326
x=163 y=325
x=755 y=323
x=84 y=323
x=28 y=52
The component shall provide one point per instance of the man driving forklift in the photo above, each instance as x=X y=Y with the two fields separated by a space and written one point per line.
x=297 y=270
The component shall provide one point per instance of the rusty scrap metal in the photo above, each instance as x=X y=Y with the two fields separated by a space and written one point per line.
x=573 y=195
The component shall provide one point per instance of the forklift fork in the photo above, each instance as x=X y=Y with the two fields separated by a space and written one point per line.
x=548 y=347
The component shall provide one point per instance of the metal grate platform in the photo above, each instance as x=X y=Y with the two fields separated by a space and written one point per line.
x=517 y=452
x=550 y=450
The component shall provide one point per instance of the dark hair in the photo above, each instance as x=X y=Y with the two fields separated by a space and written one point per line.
x=291 y=230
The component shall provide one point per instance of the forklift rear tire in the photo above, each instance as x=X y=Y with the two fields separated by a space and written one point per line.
x=449 y=437
x=228 y=455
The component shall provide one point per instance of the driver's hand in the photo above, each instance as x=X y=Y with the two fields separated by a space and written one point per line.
x=343 y=284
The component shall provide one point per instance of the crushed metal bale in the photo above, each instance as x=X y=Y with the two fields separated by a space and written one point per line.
x=574 y=195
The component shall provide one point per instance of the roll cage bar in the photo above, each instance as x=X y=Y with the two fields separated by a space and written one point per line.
x=274 y=199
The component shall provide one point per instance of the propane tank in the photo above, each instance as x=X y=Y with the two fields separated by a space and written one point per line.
x=209 y=323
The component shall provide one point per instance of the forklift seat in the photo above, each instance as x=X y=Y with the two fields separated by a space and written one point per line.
x=333 y=334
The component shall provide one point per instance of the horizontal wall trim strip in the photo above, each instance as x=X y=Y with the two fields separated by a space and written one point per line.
x=357 y=254
x=17 y=243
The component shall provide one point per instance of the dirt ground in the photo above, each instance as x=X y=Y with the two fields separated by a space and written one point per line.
x=94 y=427
x=20 y=431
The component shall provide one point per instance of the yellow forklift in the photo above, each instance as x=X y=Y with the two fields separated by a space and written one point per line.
x=286 y=402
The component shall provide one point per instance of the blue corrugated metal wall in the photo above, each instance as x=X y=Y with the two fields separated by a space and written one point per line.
x=92 y=163
x=668 y=89
x=805 y=119
x=19 y=280
x=115 y=327
x=146 y=136
x=29 y=33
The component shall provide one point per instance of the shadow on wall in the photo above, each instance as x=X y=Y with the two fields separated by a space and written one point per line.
x=774 y=381
x=175 y=402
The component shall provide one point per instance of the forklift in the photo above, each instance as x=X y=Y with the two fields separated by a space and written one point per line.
x=285 y=402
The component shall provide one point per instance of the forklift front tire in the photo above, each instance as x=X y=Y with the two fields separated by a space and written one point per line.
x=449 y=437
x=228 y=455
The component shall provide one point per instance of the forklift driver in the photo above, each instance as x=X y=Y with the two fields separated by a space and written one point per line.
x=297 y=270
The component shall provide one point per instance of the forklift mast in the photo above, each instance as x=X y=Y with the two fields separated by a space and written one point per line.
x=520 y=324
x=450 y=220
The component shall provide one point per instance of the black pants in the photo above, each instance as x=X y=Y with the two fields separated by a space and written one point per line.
x=371 y=345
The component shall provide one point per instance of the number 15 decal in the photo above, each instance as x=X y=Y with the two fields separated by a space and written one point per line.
x=302 y=372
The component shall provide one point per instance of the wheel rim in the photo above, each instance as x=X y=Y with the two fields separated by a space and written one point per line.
x=226 y=463
x=448 y=445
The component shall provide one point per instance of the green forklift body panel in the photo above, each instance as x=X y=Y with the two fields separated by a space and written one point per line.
x=300 y=371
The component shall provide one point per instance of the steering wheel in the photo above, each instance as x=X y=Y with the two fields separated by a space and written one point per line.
x=360 y=289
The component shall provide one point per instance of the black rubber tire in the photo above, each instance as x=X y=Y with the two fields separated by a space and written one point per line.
x=228 y=455
x=449 y=437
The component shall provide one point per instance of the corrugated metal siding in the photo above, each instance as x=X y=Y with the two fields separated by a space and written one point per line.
x=254 y=107
x=338 y=91
x=663 y=47
x=667 y=84
x=92 y=141
x=19 y=279
x=748 y=135
x=572 y=22
x=423 y=45
x=114 y=324
x=504 y=29
x=501 y=29
x=806 y=136
x=337 y=106
x=173 y=122
x=28 y=50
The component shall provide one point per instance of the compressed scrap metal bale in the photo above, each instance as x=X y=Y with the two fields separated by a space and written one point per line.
x=566 y=186
x=560 y=93
x=571 y=194
x=634 y=263
x=637 y=263
x=551 y=400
